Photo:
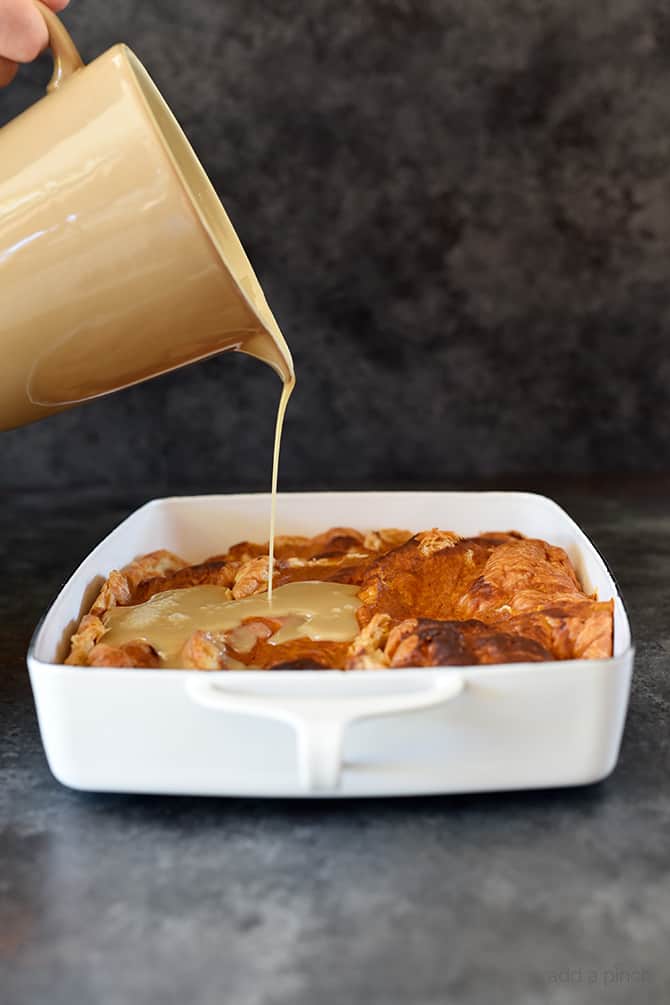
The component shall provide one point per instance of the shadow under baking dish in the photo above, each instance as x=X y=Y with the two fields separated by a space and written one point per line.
x=328 y=733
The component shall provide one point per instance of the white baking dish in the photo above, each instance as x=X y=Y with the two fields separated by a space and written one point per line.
x=303 y=733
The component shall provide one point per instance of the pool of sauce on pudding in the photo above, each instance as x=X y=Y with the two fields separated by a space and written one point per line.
x=314 y=610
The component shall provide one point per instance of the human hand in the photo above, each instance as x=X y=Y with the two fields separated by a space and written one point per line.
x=23 y=34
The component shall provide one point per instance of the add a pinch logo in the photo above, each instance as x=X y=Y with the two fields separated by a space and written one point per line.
x=609 y=977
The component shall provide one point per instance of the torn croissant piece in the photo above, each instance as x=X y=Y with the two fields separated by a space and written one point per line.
x=206 y=651
x=205 y=574
x=366 y=652
x=345 y=568
x=216 y=651
x=116 y=591
x=155 y=564
x=131 y=654
x=90 y=631
x=423 y=577
x=381 y=541
x=428 y=599
x=520 y=576
x=226 y=650
x=420 y=642
x=301 y=654
x=336 y=541
x=251 y=577
x=119 y=590
x=583 y=631
x=577 y=629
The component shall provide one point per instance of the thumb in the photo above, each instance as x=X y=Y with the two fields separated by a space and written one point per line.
x=23 y=32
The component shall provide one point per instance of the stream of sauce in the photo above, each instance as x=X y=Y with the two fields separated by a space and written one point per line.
x=287 y=390
x=316 y=610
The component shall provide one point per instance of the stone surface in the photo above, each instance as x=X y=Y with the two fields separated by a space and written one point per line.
x=459 y=212
x=538 y=898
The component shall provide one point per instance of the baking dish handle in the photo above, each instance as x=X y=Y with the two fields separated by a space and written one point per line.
x=320 y=720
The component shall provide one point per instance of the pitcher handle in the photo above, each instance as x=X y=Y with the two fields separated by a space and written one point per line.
x=65 y=53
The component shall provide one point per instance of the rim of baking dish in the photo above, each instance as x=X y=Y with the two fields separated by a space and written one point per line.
x=252 y=675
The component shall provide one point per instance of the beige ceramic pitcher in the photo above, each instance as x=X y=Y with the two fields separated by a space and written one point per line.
x=117 y=260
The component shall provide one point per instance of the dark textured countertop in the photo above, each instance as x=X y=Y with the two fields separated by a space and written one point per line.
x=553 y=897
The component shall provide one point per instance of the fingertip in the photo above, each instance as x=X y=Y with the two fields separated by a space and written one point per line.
x=30 y=46
x=26 y=35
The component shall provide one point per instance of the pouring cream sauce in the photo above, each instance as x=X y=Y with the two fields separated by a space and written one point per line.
x=287 y=390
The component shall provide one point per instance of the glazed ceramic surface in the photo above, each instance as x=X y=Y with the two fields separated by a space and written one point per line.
x=117 y=260
x=306 y=733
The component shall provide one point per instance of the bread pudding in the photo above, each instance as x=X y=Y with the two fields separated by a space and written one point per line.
x=385 y=599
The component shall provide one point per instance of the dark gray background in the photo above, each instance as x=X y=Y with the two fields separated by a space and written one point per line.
x=460 y=213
